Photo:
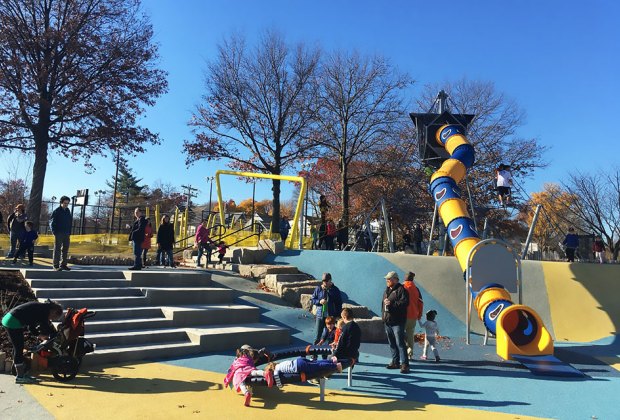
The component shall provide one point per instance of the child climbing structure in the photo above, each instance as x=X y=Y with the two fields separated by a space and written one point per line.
x=519 y=331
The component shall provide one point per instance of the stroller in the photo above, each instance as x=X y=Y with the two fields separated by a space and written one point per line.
x=64 y=350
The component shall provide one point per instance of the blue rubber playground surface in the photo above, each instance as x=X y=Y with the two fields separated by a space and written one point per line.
x=471 y=381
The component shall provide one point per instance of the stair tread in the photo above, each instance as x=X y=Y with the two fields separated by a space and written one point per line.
x=168 y=344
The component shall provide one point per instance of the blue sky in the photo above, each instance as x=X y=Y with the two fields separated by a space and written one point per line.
x=558 y=60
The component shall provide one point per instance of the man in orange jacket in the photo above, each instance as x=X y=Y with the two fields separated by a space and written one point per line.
x=414 y=311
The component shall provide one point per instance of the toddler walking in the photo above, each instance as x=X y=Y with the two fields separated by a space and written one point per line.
x=432 y=331
x=26 y=243
x=242 y=367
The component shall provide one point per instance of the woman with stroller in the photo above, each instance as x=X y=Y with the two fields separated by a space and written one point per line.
x=37 y=317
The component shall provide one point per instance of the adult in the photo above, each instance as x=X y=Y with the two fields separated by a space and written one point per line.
x=165 y=241
x=407 y=241
x=323 y=208
x=571 y=243
x=284 y=228
x=327 y=300
x=342 y=235
x=350 y=337
x=137 y=237
x=146 y=243
x=322 y=235
x=330 y=235
x=394 y=314
x=417 y=239
x=414 y=311
x=16 y=224
x=598 y=247
x=203 y=242
x=60 y=223
x=37 y=317
x=504 y=182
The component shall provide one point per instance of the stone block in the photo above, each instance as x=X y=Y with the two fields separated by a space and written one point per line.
x=235 y=255
x=189 y=253
x=252 y=256
x=234 y=268
x=245 y=270
x=372 y=330
x=261 y=270
x=274 y=247
x=305 y=300
x=293 y=294
x=281 y=286
x=2 y=360
x=272 y=280
x=358 y=311
x=8 y=365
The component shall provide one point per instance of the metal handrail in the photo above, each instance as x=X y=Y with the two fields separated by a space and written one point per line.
x=257 y=230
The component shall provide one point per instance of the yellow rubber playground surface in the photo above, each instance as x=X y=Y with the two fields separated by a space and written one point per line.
x=162 y=391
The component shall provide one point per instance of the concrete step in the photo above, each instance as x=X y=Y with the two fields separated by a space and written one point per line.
x=34 y=273
x=125 y=325
x=189 y=295
x=103 y=302
x=144 y=337
x=229 y=337
x=213 y=338
x=184 y=316
x=169 y=278
x=73 y=284
x=122 y=354
x=66 y=293
x=104 y=314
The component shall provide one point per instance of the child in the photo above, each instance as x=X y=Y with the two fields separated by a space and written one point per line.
x=301 y=365
x=26 y=243
x=599 y=249
x=432 y=331
x=339 y=326
x=221 y=251
x=329 y=332
x=242 y=367
x=504 y=182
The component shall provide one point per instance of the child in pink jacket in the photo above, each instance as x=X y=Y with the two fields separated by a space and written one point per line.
x=242 y=367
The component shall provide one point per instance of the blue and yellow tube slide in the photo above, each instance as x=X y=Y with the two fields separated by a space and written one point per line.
x=518 y=328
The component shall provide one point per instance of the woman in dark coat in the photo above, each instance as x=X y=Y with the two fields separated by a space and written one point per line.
x=165 y=241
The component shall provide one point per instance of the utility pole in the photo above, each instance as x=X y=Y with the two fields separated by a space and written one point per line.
x=190 y=193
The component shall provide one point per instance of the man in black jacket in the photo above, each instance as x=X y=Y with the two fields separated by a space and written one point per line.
x=60 y=223
x=137 y=236
x=394 y=315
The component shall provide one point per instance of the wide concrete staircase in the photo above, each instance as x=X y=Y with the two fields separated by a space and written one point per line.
x=155 y=314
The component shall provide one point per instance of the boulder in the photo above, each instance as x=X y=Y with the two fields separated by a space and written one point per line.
x=272 y=280
x=274 y=247
x=252 y=256
x=305 y=301
x=245 y=270
x=281 y=286
x=372 y=329
x=293 y=294
x=262 y=270
x=358 y=311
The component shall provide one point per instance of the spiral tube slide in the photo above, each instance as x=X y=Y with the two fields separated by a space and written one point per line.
x=518 y=329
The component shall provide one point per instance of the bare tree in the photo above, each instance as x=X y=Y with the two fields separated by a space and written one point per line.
x=595 y=204
x=74 y=78
x=493 y=133
x=258 y=109
x=361 y=114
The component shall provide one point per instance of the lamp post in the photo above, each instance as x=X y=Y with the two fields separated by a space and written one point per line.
x=306 y=166
x=210 y=179
x=98 y=193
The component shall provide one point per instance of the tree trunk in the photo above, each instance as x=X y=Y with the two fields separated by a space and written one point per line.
x=38 y=178
x=275 y=221
x=344 y=181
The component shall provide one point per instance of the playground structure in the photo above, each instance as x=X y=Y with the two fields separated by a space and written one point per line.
x=519 y=331
x=295 y=231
